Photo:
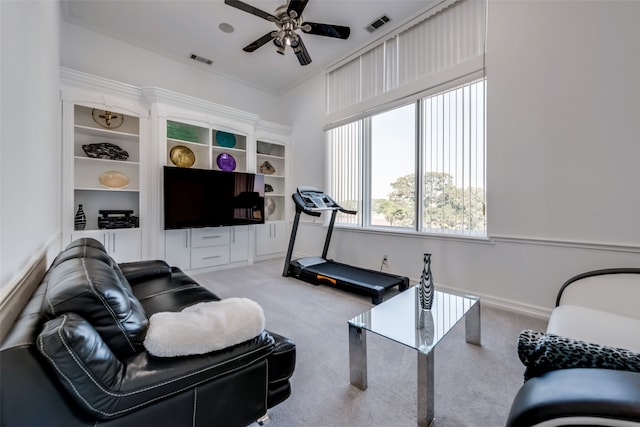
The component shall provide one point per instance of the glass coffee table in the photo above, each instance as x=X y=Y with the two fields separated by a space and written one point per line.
x=400 y=319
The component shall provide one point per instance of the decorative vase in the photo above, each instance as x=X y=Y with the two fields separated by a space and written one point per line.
x=80 y=220
x=425 y=291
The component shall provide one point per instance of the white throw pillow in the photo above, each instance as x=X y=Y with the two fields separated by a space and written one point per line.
x=204 y=327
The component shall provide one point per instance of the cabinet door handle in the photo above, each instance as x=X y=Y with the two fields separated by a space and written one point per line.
x=211 y=257
x=113 y=240
x=186 y=239
x=211 y=237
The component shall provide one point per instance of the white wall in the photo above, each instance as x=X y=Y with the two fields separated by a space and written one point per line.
x=30 y=136
x=563 y=120
x=101 y=55
x=562 y=158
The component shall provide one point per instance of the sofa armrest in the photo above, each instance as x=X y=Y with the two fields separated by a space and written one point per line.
x=282 y=363
x=139 y=271
x=561 y=397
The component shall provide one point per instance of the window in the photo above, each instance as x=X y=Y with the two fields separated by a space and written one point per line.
x=406 y=125
x=373 y=167
x=453 y=147
x=393 y=168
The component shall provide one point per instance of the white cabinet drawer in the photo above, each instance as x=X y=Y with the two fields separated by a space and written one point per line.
x=215 y=236
x=209 y=257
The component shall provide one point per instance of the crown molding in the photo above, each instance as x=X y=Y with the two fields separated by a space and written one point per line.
x=162 y=96
x=81 y=80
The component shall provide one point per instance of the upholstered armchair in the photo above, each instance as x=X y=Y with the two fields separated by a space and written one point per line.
x=585 y=370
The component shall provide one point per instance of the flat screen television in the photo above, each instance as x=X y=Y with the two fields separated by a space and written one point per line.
x=211 y=198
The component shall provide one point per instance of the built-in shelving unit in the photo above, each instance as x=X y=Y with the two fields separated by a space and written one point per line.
x=207 y=144
x=272 y=145
x=194 y=138
x=270 y=160
x=236 y=146
x=209 y=247
x=91 y=176
x=148 y=135
x=108 y=180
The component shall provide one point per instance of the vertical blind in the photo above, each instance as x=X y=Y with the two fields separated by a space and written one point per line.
x=345 y=170
x=446 y=42
x=453 y=158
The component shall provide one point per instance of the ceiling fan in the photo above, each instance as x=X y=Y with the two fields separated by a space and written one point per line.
x=288 y=18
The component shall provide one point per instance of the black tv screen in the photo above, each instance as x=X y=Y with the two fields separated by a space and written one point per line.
x=211 y=198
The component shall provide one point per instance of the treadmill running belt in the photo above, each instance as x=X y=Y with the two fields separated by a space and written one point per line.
x=358 y=276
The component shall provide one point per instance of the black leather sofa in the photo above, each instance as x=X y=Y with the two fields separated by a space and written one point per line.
x=75 y=355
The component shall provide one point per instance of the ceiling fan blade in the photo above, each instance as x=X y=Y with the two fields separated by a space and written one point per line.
x=301 y=53
x=328 y=30
x=258 y=43
x=250 y=9
x=297 y=6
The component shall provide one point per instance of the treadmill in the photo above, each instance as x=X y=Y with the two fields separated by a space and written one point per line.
x=323 y=271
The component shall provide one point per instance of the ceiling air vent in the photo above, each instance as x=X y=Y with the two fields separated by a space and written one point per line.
x=201 y=59
x=377 y=23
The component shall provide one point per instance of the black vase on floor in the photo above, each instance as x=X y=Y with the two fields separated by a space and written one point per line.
x=80 y=220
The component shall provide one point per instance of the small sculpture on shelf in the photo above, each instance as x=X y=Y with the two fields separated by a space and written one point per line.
x=182 y=156
x=267 y=168
x=105 y=150
x=80 y=220
x=270 y=207
x=107 y=119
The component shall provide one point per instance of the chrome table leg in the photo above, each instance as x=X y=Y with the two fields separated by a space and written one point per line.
x=358 y=357
x=425 y=389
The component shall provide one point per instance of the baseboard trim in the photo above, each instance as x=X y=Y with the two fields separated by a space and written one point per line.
x=14 y=298
x=503 y=304
x=17 y=292
x=489 y=300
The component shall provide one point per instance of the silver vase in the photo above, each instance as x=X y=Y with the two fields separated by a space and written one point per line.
x=425 y=290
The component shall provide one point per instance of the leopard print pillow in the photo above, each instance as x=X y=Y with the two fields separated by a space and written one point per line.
x=541 y=352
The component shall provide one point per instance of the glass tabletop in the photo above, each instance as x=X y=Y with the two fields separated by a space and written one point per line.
x=399 y=318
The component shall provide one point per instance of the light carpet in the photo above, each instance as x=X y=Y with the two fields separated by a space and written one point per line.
x=474 y=385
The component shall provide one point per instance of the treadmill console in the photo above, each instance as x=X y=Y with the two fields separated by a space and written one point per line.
x=315 y=199
x=312 y=201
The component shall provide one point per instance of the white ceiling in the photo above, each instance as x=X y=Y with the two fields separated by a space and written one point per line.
x=178 y=28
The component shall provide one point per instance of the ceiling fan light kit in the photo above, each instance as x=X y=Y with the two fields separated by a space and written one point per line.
x=288 y=18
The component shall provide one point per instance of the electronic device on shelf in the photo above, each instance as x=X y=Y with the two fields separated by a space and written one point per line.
x=117 y=219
